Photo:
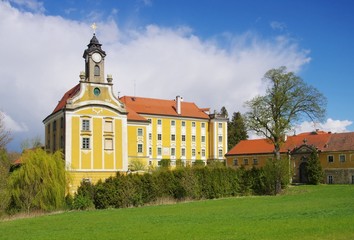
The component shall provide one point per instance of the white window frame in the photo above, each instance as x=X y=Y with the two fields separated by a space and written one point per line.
x=85 y=125
x=86 y=143
x=140 y=148
x=340 y=158
x=330 y=157
x=140 y=132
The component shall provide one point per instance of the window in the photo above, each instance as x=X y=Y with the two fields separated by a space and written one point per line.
x=235 y=162
x=203 y=152
x=150 y=151
x=54 y=126
x=183 y=152
x=173 y=137
x=193 y=138
x=108 y=126
x=108 y=144
x=220 y=153
x=159 y=136
x=203 y=139
x=183 y=123
x=193 y=152
x=159 y=122
x=245 y=161
x=342 y=158
x=159 y=151
x=255 y=161
x=61 y=122
x=203 y=125
x=48 y=128
x=97 y=70
x=140 y=148
x=140 y=132
x=183 y=138
x=54 y=142
x=193 y=124
x=330 y=179
x=173 y=152
x=220 y=138
x=150 y=136
x=330 y=159
x=61 y=142
x=85 y=143
x=220 y=125
x=173 y=123
x=85 y=125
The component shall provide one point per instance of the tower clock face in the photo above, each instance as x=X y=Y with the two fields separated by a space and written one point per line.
x=96 y=57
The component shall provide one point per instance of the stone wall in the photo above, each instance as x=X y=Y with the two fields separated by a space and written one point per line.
x=339 y=175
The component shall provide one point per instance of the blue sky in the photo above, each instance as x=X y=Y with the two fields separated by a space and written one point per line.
x=213 y=53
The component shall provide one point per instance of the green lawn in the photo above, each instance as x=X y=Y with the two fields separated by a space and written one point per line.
x=304 y=212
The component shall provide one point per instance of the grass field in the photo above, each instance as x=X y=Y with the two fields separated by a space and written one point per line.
x=304 y=212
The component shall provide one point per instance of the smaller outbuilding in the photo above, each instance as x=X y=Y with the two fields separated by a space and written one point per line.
x=335 y=152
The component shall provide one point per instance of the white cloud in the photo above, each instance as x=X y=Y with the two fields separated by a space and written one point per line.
x=12 y=125
x=44 y=59
x=31 y=5
x=335 y=126
x=275 y=25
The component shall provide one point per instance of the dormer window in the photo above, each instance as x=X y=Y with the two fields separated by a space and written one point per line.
x=97 y=70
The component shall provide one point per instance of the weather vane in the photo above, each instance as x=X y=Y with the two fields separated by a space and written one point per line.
x=94 y=27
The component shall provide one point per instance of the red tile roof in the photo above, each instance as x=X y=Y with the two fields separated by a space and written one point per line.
x=133 y=116
x=69 y=94
x=341 y=142
x=163 y=107
x=254 y=146
x=324 y=141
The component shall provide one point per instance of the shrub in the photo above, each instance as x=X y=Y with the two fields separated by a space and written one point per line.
x=314 y=169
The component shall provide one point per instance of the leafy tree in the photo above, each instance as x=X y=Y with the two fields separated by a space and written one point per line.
x=40 y=183
x=287 y=100
x=4 y=175
x=224 y=112
x=314 y=169
x=237 y=130
x=5 y=135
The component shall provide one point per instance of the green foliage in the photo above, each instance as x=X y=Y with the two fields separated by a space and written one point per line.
x=276 y=172
x=314 y=169
x=40 y=183
x=199 y=163
x=84 y=196
x=4 y=176
x=236 y=130
x=165 y=163
x=137 y=165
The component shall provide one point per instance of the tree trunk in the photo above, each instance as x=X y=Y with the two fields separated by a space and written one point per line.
x=278 y=169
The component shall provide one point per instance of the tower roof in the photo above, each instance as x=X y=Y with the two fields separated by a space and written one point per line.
x=94 y=46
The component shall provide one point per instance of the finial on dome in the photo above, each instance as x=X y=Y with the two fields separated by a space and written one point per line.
x=94 y=27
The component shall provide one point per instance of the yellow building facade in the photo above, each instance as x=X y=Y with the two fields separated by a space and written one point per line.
x=101 y=134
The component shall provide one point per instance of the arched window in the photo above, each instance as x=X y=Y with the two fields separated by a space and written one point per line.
x=97 y=70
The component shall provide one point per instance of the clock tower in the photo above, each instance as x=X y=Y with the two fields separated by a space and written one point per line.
x=94 y=61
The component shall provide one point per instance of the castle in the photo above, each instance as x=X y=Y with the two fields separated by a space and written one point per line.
x=101 y=134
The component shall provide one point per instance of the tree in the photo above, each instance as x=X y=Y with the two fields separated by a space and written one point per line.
x=314 y=169
x=40 y=183
x=31 y=143
x=5 y=135
x=237 y=130
x=288 y=99
x=4 y=175
x=223 y=112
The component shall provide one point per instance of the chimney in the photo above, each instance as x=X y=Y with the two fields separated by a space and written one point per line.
x=179 y=100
